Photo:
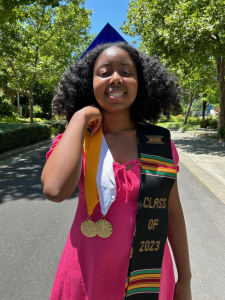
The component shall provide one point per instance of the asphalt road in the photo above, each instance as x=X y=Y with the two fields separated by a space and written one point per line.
x=34 y=230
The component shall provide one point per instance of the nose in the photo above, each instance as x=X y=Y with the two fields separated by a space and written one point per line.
x=116 y=78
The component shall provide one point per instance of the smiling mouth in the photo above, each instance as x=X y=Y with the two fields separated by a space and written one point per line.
x=115 y=94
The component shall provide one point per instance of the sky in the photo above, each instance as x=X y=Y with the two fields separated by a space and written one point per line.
x=114 y=12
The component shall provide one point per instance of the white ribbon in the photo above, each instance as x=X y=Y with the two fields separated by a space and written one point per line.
x=106 y=183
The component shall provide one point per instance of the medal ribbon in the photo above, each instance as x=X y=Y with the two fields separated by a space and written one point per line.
x=92 y=148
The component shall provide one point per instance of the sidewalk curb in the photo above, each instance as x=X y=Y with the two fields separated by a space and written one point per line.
x=22 y=150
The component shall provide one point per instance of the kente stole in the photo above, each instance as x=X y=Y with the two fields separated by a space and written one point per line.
x=158 y=175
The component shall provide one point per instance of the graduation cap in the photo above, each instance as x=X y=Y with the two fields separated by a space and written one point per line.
x=107 y=35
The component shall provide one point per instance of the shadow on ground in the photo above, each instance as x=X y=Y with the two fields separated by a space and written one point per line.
x=200 y=145
x=20 y=177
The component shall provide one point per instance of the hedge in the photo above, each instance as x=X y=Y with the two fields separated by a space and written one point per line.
x=57 y=127
x=14 y=135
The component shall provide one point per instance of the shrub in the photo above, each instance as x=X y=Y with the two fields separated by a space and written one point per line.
x=163 y=119
x=6 y=107
x=194 y=120
x=213 y=123
x=179 y=118
x=204 y=123
x=19 y=135
x=37 y=111
x=35 y=120
x=209 y=121
x=9 y=119
x=179 y=125
x=56 y=127
x=59 y=118
x=173 y=119
x=209 y=117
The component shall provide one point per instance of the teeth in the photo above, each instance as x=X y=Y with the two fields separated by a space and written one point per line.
x=116 y=94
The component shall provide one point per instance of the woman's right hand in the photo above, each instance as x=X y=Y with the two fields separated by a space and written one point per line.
x=93 y=116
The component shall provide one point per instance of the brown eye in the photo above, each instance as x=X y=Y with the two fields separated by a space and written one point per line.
x=126 y=73
x=105 y=74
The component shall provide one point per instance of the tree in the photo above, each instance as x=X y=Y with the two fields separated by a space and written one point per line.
x=41 y=44
x=6 y=7
x=195 y=80
x=190 y=30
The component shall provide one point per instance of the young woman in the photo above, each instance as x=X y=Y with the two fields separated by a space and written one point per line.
x=114 y=250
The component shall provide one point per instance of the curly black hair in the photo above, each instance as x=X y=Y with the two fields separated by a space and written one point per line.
x=158 y=91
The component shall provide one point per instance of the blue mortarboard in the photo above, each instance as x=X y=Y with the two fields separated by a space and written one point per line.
x=107 y=35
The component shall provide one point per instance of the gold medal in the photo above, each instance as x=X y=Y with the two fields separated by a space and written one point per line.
x=88 y=228
x=104 y=228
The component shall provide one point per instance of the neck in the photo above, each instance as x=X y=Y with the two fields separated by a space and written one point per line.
x=116 y=123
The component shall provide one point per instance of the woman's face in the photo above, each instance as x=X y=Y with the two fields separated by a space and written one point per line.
x=115 y=80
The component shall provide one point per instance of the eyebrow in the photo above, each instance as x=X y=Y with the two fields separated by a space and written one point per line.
x=122 y=63
x=125 y=63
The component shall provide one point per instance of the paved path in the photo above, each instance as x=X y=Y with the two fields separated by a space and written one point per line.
x=34 y=230
x=205 y=158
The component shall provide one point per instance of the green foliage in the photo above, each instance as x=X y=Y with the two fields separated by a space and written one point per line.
x=19 y=135
x=7 y=7
x=179 y=126
x=163 y=119
x=43 y=96
x=37 y=111
x=173 y=119
x=33 y=45
x=9 y=119
x=193 y=123
x=178 y=28
x=60 y=118
x=57 y=128
x=15 y=118
x=14 y=135
x=6 y=107
x=178 y=119
x=190 y=36
x=40 y=42
x=209 y=121
x=194 y=120
x=189 y=127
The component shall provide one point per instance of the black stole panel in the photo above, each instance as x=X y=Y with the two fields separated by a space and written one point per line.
x=158 y=175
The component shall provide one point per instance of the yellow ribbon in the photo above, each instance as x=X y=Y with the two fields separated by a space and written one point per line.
x=92 y=148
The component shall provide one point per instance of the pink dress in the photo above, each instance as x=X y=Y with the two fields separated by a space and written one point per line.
x=96 y=268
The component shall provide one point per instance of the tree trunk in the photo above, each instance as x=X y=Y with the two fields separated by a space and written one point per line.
x=203 y=109
x=18 y=102
x=12 y=97
x=190 y=101
x=31 y=102
x=221 y=81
